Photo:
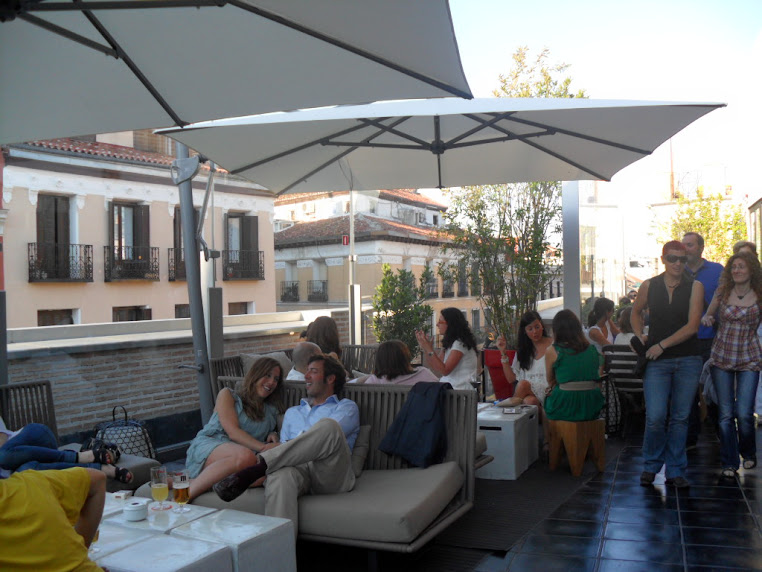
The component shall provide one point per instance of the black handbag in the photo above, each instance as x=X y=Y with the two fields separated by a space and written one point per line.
x=130 y=434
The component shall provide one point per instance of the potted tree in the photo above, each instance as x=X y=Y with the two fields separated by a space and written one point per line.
x=502 y=235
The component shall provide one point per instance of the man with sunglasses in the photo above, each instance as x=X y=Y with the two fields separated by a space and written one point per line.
x=675 y=303
x=708 y=273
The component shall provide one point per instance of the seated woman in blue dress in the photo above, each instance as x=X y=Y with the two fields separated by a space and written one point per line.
x=243 y=424
x=573 y=368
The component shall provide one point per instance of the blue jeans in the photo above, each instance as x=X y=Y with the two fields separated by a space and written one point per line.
x=736 y=391
x=669 y=386
x=35 y=448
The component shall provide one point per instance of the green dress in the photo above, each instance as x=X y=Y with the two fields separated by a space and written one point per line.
x=583 y=405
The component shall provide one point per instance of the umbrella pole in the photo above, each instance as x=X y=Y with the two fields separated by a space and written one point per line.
x=355 y=309
x=570 y=213
x=183 y=171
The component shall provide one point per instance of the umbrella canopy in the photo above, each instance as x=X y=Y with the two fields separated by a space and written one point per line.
x=439 y=143
x=80 y=67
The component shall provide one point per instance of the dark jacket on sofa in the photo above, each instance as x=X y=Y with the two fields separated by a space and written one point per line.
x=418 y=433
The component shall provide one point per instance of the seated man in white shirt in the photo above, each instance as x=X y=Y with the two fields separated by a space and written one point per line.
x=303 y=351
x=314 y=455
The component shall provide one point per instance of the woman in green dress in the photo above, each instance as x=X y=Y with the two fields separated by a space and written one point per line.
x=573 y=369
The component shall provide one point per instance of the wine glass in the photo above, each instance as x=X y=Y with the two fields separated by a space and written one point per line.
x=181 y=485
x=159 y=488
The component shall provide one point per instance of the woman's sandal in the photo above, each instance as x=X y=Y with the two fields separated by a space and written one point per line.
x=729 y=473
x=122 y=475
x=105 y=453
x=749 y=463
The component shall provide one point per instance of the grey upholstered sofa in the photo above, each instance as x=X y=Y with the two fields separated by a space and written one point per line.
x=393 y=507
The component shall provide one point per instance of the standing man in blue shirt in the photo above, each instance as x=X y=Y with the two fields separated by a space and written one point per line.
x=314 y=456
x=708 y=273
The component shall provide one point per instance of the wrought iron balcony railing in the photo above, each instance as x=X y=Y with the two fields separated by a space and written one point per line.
x=176 y=258
x=50 y=262
x=243 y=265
x=317 y=290
x=448 y=290
x=130 y=263
x=289 y=291
x=432 y=289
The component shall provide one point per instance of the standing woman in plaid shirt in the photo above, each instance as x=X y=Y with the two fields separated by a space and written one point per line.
x=737 y=357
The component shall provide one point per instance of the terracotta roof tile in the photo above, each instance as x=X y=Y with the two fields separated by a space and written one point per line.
x=366 y=227
x=397 y=195
x=105 y=150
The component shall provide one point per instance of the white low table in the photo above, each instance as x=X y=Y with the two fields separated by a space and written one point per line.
x=160 y=521
x=113 y=538
x=164 y=553
x=259 y=543
x=511 y=439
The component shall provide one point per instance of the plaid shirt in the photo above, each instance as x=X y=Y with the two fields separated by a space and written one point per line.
x=736 y=346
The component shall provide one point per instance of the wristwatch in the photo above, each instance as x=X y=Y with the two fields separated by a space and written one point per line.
x=431 y=354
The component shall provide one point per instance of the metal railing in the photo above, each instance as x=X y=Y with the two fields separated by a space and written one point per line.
x=432 y=289
x=448 y=289
x=51 y=262
x=289 y=291
x=130 y=263
x=243 y=265
x=317 y=290
x=176 y=257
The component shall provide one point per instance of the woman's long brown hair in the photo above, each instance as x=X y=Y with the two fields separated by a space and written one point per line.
x=726 y=278
x=253 y=404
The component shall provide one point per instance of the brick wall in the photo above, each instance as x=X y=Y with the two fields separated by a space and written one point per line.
x=146 y=380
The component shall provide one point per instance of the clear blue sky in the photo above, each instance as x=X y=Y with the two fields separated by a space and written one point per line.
x=678 y=50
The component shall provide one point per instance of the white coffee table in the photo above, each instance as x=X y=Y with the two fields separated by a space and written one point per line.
x=259 y=543
x=161 y=522
x=164 y=553
x=113 y=538
x=511 y=439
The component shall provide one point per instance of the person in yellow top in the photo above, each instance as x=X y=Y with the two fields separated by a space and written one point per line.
x=49 y=518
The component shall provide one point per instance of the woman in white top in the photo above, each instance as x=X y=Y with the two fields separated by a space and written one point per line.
x=625 y=327
x=529 y=364
x=601 y=330
x=459 y=365
x=392 y=366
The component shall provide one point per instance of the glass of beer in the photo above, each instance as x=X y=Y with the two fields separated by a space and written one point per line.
x=181 y=486
x=159 y=488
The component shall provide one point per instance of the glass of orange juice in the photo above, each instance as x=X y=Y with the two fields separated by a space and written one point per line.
x=159 y=488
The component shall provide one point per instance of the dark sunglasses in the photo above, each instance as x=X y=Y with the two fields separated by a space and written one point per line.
x=672 y=258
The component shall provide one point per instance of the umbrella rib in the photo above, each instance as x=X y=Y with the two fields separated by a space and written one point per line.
x=606 y=142
x=350 y=48
x=320 y=141
x=478 y=128
x=374 y=145
x=334 y=159
x=130 y=64
x=390 y=129
x=544 y=150
x=512 y=137
x=68 y=34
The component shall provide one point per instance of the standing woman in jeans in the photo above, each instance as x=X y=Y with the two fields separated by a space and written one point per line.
x=675 y=302
x=737 y=358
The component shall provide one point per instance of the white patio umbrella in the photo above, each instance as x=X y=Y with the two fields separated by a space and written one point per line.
x=81 y=67
x=439 y=143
